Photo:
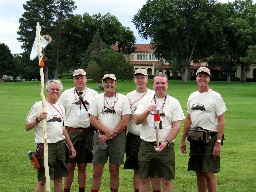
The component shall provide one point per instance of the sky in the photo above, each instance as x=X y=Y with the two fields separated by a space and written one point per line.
x=124 y=10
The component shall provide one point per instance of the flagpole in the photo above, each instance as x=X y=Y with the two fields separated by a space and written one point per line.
x=157 y=121
x=39 y=50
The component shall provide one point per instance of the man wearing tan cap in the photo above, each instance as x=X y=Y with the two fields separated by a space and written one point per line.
x=77 y=102
x=110 y=115
x=206 y=110
x=133 y=136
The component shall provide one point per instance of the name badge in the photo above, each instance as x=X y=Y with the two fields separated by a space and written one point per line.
x=80 y=113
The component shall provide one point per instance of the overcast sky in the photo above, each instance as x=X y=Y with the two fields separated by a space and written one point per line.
x=124 y=10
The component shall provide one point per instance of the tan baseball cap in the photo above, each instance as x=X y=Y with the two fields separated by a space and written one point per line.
x=203 y=70
x=111 y=76
x=141 y=71
x=79 y=72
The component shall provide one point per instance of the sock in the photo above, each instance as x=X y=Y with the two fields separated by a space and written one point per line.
x=113 y=189
x=156 y=190
x=81 y=189
x=66 y=189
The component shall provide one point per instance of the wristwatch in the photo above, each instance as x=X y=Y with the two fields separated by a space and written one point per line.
x=37 y=120
x=168 y=142
x=219 y=141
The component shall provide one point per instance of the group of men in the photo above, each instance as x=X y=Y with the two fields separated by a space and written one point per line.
x=100 y=128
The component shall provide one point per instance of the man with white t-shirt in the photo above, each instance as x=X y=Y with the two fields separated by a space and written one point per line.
x=77 y=101
x=54 y=116
x=110 y=115
x=156 y=154
x=133 y=139
x=206 y=110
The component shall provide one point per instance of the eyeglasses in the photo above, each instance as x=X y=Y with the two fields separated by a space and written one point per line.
x=52 y=89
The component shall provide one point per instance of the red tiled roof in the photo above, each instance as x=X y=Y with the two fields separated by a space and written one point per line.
x=143 y=48
x=138 y=48
x=144 y=62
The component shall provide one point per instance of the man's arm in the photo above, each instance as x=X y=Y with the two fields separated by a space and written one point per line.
x=31 y=124
x=217 y=146
x=120 y=127
x=140 y=118
x=97 y=124
x=220 y=127
x=187 y=126
x=172 y=135
x=69 y=143
x=174 y=131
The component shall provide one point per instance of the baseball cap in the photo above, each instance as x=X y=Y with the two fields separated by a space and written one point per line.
x=111 y=76
x=79 y=72
x=141 y=71
x=203 y=70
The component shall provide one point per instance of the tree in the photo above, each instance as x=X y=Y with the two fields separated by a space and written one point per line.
x=126 y=41
x=240 y=31
x=94 y=48
x=94 y=71
x=51 y=15
x=78 y=33
x=65 y=8
x=181 y=30
x=6 y=61
x=114 y=62
x=109 y=61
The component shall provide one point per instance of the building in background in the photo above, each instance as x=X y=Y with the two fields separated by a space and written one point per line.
x=144 y=57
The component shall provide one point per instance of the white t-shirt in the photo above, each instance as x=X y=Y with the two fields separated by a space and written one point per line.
x=76 y=114
x=134 y=98
x=109 y=110
x=204 y=109
x=172 y=111
x=54 y=124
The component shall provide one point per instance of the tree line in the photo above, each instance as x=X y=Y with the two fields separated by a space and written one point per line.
x=186 y=30
x=181 y=31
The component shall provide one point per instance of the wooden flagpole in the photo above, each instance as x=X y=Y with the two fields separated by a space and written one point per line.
x=39 y=50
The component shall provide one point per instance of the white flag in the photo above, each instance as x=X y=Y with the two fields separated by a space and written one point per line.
x=34 y=52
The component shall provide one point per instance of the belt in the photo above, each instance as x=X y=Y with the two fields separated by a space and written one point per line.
x=153 y=143
x=79 y=129
x=211 y=133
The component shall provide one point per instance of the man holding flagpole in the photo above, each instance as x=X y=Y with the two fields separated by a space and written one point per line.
x=56 y=134
x=158 y=159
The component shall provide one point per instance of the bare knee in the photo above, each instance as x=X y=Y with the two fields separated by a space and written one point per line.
x=71 y=167
x=41 y=183
x=114 y=170
x=145 y=181
x=209 y=176
x=97 y=173
x=58 y=180
x=82 y=167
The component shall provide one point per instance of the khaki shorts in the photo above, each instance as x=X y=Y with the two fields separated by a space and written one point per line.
x=156 y=164
x=56 y=162
x=114 y=152
x=201 y=158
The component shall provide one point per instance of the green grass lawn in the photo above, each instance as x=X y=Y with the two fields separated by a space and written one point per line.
x=238 y=158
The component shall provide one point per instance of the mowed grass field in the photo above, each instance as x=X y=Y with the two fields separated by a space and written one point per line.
x=238 y=157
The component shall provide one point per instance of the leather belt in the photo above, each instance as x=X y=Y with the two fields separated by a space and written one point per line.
x=211 y=133
x=79 y=129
